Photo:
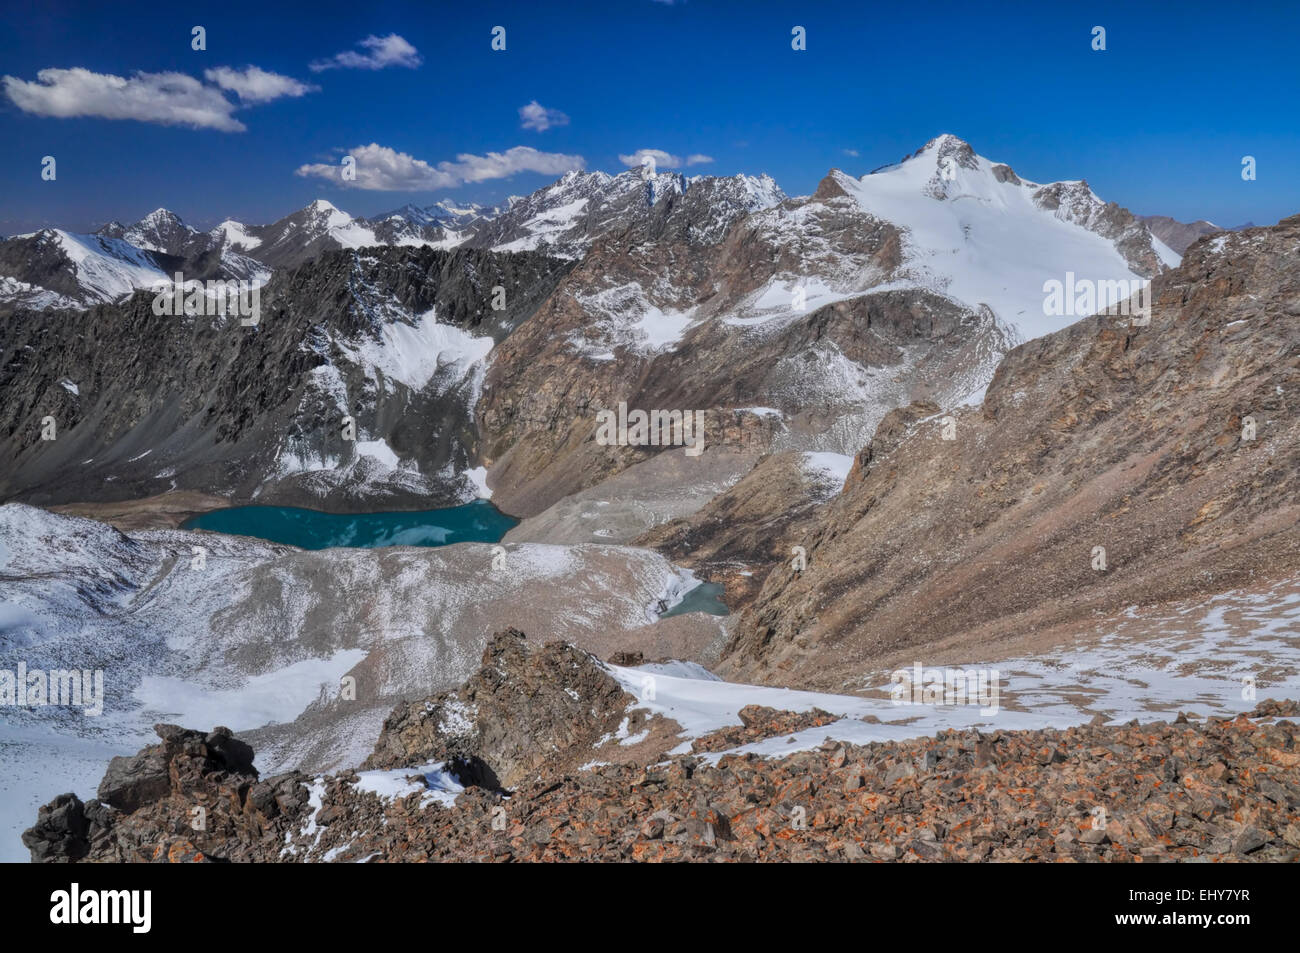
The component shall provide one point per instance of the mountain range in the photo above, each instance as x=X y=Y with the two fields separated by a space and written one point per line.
x=792 y=323
x=907 y=454
x=59 y=268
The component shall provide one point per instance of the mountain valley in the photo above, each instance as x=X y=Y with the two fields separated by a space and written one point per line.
x=907 y=459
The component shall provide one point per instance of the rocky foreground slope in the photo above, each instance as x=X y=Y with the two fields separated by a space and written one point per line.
x=493 y=771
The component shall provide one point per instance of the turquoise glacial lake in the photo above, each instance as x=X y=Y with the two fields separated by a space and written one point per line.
x=477 y=522
x=706 y=597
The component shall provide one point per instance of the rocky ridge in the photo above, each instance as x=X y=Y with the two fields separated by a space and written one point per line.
x=1171 y=446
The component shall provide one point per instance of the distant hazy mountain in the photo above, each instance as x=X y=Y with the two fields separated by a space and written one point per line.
x=1179 y=235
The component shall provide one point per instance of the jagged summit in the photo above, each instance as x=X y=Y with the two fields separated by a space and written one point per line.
x=947 y=144
x=160 y=216
x=321 y=205
x=943 y=141
x=566 y=216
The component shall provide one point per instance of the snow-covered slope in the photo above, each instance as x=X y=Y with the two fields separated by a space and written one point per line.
x=948 y=221
x=90 y=269
x=976 y=232
x=401 y=357
x=236 y=235
x=1189 y=656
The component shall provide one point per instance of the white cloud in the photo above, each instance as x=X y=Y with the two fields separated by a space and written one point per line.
x=536 y=116
x=171 y=99
x=381 y=169
x=381 y=52
x=663 y=160
x=498 y=165
x=253 y=85
x=852 y=152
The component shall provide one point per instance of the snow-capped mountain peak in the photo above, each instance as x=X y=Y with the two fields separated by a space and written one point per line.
x=236 y=235
x=329 y=212
x=159 y=218
x=955 y=223
x=968 y=227
x=409 y=213
x=161 y=230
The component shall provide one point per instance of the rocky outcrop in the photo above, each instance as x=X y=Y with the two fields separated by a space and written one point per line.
x=525 y=714
x=165 y=789
x=530 y=712
x=1109 y=465
x=758 y=723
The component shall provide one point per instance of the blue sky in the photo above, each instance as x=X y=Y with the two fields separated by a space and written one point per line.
x=1159 y=122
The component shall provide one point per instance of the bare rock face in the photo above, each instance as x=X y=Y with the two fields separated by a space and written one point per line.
x=522 y=714
x=164 y=789
x=759 y=722
x=1110 y=465
x=61 y=832
x=135 y=781
x=1179 y=235
x=132 y=783
x=743 y=531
